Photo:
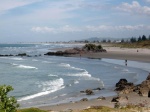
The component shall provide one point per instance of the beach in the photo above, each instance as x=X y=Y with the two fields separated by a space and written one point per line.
x=140 y=55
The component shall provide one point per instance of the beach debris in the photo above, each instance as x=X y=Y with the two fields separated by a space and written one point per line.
x=84 y=99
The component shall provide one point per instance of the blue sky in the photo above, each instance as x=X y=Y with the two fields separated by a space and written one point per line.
x=64 y=20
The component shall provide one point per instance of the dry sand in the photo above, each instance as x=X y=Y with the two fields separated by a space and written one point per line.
x=112 y=53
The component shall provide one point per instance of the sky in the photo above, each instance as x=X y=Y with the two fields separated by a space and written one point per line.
x=65 y=20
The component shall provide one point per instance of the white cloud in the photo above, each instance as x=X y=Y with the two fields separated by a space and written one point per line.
x=43 y=29
x=134 y=8
x=89 y=28
x=62 y=29
x=6 y=5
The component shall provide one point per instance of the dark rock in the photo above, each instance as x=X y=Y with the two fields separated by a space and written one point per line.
x=121 y=82
x=84 y=99
x=22 y=54
x=97 y=89
x=115 y=99
x=148 y=77
x=89 y=92
x=59 y=53
x=82 y=91
x=120 y=99
x=123 y=87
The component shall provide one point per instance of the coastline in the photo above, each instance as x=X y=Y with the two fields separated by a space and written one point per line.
x=112 y=53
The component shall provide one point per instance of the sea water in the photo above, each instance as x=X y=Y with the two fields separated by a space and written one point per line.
x=46 y=80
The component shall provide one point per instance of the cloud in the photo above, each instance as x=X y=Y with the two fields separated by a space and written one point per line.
x=134 y=8
x=89 y=28
x=6 y=5
x=62 y=29
x=43 y=29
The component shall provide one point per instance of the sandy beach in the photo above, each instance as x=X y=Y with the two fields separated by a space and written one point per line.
x=112 y=53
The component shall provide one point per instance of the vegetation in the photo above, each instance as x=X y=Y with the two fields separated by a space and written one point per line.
x=92 y=47
x=140 y=42
x=31 y=110
x=7 y=103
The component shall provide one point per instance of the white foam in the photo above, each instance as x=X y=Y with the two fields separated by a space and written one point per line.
x=27 y=67
x=65 y=65
x=46 y=62
x=48 y=87
x=76 y=82
x=53 y=75
x=125 y=70
x=82 y=74
x=19 y=59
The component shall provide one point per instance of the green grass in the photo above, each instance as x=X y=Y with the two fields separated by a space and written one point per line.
x=31 y=110
x=142 y=44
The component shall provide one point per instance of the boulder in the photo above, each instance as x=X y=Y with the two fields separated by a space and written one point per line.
x=124 y=87
x=89 y=92
x=84 y=99
x=121 y=82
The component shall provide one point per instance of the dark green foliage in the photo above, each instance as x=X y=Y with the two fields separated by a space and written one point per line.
x=7 y=103
x=92 y=47
x=132 y=40
x=144 y=38
x=139 y=39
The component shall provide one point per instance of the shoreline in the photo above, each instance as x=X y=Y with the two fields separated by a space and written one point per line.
x=112 y=53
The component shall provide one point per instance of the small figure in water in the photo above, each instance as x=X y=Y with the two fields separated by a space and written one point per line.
x=126 y=62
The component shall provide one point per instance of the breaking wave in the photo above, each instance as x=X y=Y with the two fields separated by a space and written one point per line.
x=24 y=66
x=47 y=88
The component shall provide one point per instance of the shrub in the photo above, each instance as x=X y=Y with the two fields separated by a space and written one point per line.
x=7 y=103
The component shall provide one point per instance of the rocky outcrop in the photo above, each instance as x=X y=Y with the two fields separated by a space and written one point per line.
x=60 y=53
x=85 y=49
x=143 y=89
x=124 y=87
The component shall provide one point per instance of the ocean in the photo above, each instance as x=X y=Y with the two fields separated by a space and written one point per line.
x=42 y=80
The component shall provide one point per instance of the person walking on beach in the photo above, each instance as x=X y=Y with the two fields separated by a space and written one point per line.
x=126 y=62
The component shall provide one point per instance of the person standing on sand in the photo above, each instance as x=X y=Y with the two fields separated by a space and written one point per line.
x=126 y=62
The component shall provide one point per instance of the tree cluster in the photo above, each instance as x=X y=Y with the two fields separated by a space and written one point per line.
x=143 y=38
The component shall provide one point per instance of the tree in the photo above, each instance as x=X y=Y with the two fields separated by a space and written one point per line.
x=139 y=39
x=149 y=37
x=122 y=40
x=7 y=103
x=144 y=38
x=132 y=40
